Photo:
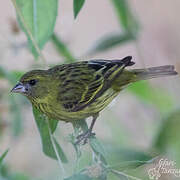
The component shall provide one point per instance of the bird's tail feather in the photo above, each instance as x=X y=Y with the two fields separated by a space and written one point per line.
x=154 y=72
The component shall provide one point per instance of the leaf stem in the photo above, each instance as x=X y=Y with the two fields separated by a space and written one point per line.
x=35 y=18
x=55 y=150
x=29 y=32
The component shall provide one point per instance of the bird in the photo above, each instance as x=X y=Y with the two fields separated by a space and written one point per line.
x=76 y=91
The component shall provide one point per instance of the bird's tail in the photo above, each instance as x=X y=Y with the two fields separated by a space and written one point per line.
x=154 y=72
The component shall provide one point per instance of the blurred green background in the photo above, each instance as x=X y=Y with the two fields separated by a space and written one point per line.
x=143 y=123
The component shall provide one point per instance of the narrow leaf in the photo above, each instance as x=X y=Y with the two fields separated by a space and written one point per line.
x=124 y=159
x=157 y=97
x=18 y=176
x=62 y=49
x=39 y=19
x=17 y=74
x=77 y=5
x=125 y=16
x=109 y=41
x=10 y=76
x=168 y=134
x=53 y=125
x=16 y=115
x=98 y=149
x=14 y=102
x=3 y=156
x=45 y=137
x=94 y=143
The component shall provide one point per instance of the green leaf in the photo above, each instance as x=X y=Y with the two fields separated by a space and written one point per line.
x=94 y=143
x=53 y=125
x=125 y=16
x=72 y=140
x=166 y=141
x=7 y=174
x=39 y=17
x=168 y=135
x=93 y=172
x=10 y=76
x=109 y=41
x=3 y=156
x=17 y=74
x=14 y=102
x=157 y=97
x=98 y=149
x=2 y=72
x=122 y=176
x=124 y=159
x=45 y=136
x=19 y=176
x=16 y=115
x=79 y=177
x=77 y=5
x=62 y=49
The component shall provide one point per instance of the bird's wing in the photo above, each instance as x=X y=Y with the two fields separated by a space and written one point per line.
x=84 y=82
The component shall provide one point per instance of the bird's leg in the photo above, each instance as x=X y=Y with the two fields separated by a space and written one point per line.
x=86 y=135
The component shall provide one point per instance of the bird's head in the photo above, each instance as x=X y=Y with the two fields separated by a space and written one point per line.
x=34 y=84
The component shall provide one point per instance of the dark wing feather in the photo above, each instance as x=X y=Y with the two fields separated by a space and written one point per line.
x=83 y=82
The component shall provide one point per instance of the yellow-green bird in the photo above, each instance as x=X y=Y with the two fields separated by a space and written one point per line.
x=71 y=92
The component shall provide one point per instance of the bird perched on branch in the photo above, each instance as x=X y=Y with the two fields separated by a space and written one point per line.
x=71 y=92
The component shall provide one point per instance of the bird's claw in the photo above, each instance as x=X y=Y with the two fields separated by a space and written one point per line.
x=84 y=137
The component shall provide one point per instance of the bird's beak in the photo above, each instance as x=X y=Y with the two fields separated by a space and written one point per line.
x=18 y=88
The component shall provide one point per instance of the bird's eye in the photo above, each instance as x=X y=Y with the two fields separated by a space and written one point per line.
x=32 y=82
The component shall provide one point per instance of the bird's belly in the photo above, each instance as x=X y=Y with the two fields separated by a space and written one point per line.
x=95 y=107
x=52 y=112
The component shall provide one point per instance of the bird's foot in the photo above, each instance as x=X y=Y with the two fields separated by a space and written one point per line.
x=83 y=138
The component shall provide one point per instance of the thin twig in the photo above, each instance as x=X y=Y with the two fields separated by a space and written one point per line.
x=29 y=32
x=55 y=150
x=123 y=174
